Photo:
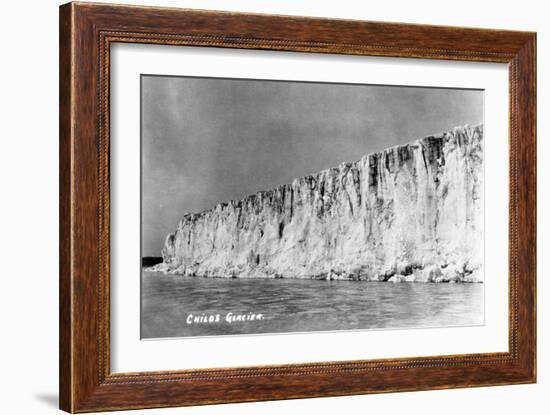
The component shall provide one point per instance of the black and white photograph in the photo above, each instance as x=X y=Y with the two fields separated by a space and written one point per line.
x=278 y=206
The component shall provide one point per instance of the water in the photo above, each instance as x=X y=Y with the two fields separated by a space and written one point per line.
x=288 y=305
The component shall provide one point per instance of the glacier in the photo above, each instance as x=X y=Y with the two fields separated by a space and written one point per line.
x=409 y=213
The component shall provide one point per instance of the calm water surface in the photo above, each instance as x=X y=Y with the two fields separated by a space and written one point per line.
x=301 y=305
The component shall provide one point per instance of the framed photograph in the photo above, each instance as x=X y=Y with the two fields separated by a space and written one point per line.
x=259 y=207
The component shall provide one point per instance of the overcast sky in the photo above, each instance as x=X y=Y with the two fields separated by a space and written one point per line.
x=208 y=140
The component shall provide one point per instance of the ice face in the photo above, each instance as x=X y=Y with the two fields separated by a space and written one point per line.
x=408 y=213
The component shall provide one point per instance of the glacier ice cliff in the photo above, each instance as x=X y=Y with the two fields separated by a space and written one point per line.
x=412 y=212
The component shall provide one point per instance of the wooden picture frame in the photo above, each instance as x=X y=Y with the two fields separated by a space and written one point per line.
x=86 y=33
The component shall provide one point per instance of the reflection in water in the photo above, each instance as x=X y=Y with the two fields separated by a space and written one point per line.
x=289 y=305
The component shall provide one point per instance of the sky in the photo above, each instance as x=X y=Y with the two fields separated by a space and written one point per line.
x=209 y=140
